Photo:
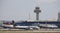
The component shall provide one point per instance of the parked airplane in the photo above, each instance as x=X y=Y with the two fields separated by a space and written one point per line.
x=7 y=25
x=48 y=26
x=27 y=27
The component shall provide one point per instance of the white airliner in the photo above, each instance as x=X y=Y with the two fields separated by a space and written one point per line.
x=7 y=26
x=48 y=25
x=27 y=27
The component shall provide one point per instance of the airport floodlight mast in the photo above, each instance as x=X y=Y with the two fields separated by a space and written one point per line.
x=37 y=11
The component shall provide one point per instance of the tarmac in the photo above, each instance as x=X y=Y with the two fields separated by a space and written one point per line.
x=29 y=31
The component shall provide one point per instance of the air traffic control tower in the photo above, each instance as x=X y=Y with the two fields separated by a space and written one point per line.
x=37 y=11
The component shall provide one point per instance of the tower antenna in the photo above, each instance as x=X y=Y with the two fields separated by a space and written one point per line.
x=37 y=2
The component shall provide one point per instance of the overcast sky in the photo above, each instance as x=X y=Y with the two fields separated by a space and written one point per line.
x=20 y=9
